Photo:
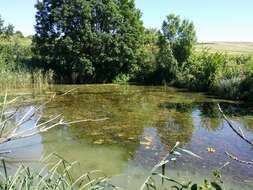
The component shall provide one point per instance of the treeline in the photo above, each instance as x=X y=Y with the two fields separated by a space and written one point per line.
x=105 y=41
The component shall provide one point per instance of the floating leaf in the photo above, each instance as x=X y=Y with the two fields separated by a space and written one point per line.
x=211 y=150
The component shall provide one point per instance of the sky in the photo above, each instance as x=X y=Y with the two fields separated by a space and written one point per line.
x=214 y=20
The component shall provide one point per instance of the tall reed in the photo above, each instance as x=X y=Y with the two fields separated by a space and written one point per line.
x=25 y=79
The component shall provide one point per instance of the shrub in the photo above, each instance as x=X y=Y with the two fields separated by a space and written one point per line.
x=246 y=86
x=121 y=78
x=228 y=88
x=200 y=72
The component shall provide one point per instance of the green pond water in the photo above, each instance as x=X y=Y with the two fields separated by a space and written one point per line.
x=144 y=123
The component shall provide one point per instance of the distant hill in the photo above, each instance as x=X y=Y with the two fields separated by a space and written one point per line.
x=22 y=41
x=228 y=47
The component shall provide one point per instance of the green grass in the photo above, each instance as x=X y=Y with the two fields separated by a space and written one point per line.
x=228 y=47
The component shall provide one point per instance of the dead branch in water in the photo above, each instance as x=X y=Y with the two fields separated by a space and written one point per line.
x=238 y=160
x=11 y=130
x=232 y=127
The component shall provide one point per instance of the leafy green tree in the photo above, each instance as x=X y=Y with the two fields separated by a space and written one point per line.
x=175 y=42
x=94 y=40
x=9 y=30
x=1 y=25
x=6 y=30
x=148 y=58
x=166 y=63
x=181 y=36
x=19 y=34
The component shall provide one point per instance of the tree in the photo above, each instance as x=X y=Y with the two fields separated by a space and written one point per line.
x=9 y=30
x=166 y=63
x=6 y=30
x=19 y=34
x=175 y=42
x=93 y=40
x=1 y=25
x=181 y=36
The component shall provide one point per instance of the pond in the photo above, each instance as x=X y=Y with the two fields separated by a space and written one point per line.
x=144 y=123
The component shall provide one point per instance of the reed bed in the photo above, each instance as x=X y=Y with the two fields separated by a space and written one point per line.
x=25 y=79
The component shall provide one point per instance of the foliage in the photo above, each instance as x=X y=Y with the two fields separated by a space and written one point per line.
x=148 y=63
x=6 y=30
x=121 y=78
x=104 y=41
x=176 y=41
x=87 y=41
x=13 y=55
x=181 y=36
x=246 y=86
x=229 y=81
x=167 y=65
x=16 y=68
x=201 y=71
x=221 y=74
x=19 y=34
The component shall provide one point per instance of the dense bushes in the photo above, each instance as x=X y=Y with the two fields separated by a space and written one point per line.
x=217 y=73
x=13 y=55
x=200 y=72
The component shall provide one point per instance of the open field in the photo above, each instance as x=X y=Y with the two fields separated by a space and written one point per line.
x=25 y=41
x=229 y=47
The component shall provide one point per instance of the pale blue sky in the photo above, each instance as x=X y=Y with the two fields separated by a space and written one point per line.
x=215 y=20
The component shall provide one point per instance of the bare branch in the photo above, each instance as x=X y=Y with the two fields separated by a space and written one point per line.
x=69 y=91
x=239 y=160
x=10 y=134
x=231 y=126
